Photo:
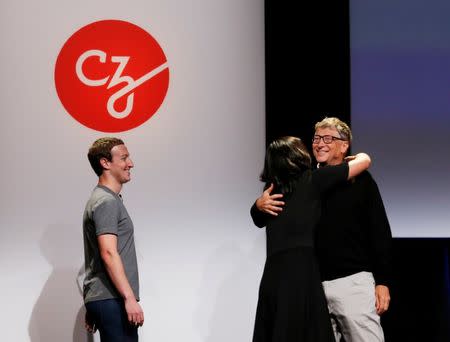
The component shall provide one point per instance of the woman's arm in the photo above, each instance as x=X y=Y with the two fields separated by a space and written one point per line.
x=357 y=164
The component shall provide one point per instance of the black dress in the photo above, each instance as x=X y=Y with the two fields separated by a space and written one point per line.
x=291 y=304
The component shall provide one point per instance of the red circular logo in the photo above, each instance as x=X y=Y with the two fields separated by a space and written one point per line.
x=111 y=76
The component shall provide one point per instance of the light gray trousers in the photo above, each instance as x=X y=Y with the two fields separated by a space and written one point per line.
x=351 y=303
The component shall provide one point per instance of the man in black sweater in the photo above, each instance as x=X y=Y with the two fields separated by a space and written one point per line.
x=353 y=241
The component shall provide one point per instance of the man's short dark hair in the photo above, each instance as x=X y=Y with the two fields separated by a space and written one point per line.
x=101 y=148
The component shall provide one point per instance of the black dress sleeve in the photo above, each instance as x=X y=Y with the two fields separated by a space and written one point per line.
x=326 y=177
x=259 y=218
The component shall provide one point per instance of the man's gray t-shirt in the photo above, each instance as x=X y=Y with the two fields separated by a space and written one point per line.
x=106 y=214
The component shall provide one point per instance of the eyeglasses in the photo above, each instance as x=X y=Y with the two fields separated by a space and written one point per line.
x=327 y=139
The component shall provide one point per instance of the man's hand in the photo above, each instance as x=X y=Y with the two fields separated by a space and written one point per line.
x=382 y=298
x=268 y=203
x=134 y=312
x=89 y=323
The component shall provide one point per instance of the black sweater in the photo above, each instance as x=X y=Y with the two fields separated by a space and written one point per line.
x=353 y=234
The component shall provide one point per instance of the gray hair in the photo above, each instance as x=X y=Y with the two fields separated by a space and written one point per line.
x=333 y=122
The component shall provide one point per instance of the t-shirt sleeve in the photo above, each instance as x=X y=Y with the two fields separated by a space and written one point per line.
x=327 y=177
x=106 y=217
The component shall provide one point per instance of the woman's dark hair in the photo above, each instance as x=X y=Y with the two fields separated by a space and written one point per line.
x=286 y=160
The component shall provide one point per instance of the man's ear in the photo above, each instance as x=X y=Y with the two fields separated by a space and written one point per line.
x=104 y=163
x=344 y=147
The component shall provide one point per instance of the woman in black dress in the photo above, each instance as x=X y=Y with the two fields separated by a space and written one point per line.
x=291 y=304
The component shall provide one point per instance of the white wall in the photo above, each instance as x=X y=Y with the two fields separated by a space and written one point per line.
x=197 y=162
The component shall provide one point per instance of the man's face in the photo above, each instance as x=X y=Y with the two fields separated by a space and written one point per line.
x=332 y=153
x=121 y=164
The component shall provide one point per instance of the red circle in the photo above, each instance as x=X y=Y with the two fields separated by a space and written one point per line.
x=87 y=102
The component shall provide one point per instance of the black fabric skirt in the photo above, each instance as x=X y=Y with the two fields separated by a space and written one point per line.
x=291 y=304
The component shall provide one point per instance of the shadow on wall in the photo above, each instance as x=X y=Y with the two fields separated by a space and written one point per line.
x=236 y=275
x=58 y=314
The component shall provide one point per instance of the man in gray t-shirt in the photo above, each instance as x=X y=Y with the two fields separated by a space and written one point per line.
x=111 y=285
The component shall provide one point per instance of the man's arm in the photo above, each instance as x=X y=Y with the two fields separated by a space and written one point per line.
x=381 y=242
x=268 y=203
x=108 y=251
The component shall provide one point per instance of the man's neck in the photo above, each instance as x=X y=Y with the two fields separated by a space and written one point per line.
x=112 y=185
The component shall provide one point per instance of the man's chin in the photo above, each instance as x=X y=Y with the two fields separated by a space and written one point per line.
x=321 y=160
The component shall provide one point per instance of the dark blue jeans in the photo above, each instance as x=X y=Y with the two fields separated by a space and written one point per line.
x=110 y=318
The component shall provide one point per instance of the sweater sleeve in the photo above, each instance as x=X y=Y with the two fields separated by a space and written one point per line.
x=259 y=218
x=380 y=236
